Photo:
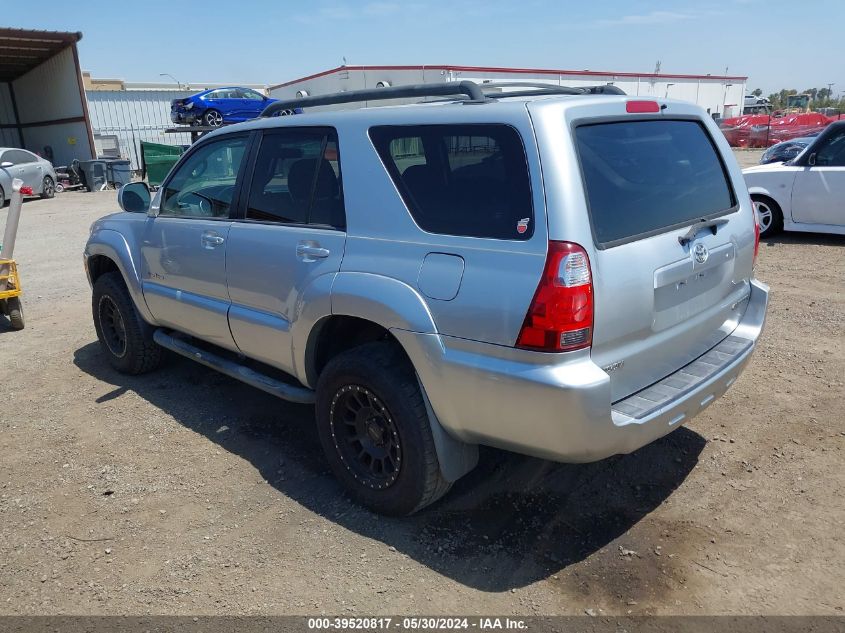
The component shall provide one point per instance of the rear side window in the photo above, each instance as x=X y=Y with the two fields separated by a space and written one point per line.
x=646 y=177
x=468 y=180
x=296 y=179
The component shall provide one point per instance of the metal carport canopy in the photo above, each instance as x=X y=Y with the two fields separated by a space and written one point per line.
x=41 y=93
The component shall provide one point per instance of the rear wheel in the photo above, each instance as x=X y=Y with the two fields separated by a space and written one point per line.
x=2 y=198
x=212 y=118
x=375 y=430
x=48 y=188
x=125 y=337
x=14 y=309
x=769 y=215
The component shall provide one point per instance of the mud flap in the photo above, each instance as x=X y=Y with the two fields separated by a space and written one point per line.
x=456 y=458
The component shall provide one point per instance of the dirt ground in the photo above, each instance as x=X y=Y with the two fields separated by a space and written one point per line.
x=185 y=492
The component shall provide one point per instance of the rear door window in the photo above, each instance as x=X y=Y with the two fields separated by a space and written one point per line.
x=468 y=180
x=647 y=177
x=296 y=179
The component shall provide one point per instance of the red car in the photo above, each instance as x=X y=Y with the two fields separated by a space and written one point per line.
x=762 y=130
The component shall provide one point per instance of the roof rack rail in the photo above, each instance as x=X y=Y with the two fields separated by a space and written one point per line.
x=468 y=88
x=539 y=88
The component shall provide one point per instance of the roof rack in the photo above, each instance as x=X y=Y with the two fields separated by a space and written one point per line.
x=473 y=91
x=468 y=88
x=539 y=89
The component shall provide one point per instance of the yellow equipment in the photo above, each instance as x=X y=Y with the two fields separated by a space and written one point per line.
x=10 y=283
x=10 y=292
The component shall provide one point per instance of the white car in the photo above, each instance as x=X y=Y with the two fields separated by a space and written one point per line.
x=32 y=169
x=806 y=193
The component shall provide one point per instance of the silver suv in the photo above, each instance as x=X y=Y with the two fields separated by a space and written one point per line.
x=565 y=273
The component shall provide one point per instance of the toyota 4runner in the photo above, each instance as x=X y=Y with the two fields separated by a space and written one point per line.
x=565 y=273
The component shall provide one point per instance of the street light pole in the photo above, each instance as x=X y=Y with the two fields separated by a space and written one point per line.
x=172 y=77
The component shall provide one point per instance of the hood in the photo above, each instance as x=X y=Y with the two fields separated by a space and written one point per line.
x=762 y=168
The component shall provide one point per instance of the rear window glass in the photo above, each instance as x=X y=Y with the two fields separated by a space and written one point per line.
x=644 y=177
x=469 y=180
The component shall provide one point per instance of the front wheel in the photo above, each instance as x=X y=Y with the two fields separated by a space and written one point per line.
x=374 y=428
x=769 y=216
x=125 y=337
x=212 y=118
x=48 y=188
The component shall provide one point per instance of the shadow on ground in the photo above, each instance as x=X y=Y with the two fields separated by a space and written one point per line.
x=512 y=521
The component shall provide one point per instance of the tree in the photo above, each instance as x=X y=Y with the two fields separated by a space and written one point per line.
x=757 y=92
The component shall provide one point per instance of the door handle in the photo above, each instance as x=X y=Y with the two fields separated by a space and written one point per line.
x=311 y=252
x=210 y=240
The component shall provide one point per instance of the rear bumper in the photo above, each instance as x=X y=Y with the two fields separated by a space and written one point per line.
x=561 y=410
x=184 y=117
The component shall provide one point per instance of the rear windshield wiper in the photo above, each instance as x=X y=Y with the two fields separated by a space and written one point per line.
x=713 y=225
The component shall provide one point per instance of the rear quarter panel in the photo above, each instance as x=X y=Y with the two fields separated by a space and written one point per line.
x=499 y=276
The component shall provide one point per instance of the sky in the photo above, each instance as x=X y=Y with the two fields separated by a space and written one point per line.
x=776 y=43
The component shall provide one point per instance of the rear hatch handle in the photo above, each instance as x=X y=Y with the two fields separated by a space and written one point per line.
x=713 y=225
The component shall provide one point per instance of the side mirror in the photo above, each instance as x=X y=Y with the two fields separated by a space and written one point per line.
x=134 y=197
x=6 y=164
x=811 y=159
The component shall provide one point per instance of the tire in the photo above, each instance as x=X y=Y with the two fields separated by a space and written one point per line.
x=212 y=118
x=14 y=310
x=2 y=198
x=126 y=339
x=769 y=215
x=48 y=188
x=385 y=415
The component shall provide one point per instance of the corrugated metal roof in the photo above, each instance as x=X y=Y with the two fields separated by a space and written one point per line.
x=504 y=70
x=21 y=50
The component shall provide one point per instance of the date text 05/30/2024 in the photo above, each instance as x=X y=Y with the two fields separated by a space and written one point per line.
x=416 y=623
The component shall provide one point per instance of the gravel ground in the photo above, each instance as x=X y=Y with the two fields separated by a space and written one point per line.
x=186 y=492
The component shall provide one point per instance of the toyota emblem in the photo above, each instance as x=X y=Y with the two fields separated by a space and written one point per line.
x=700 y=253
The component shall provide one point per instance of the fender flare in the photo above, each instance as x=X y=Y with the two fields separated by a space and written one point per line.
x=384 y=300
x=113 y=245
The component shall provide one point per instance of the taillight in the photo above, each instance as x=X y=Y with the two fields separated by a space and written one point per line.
x=561 y=315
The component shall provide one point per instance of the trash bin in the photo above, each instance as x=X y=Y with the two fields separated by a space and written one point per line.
x=157 y=160
x=118 y=172
x=94 y=175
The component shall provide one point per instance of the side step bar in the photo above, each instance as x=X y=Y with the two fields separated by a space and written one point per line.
x=251 y=377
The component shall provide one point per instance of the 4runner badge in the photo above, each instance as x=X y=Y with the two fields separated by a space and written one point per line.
x=522 y=225
x=700 y=253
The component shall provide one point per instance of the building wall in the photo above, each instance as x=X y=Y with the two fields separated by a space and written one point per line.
x=135 y=116
x=710 y=93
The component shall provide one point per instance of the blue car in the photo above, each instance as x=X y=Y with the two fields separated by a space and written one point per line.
x=218 y=106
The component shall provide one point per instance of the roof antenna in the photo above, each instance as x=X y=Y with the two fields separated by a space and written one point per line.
x=344 y=61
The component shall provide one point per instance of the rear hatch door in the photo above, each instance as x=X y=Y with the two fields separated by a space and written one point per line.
x=672 y=242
